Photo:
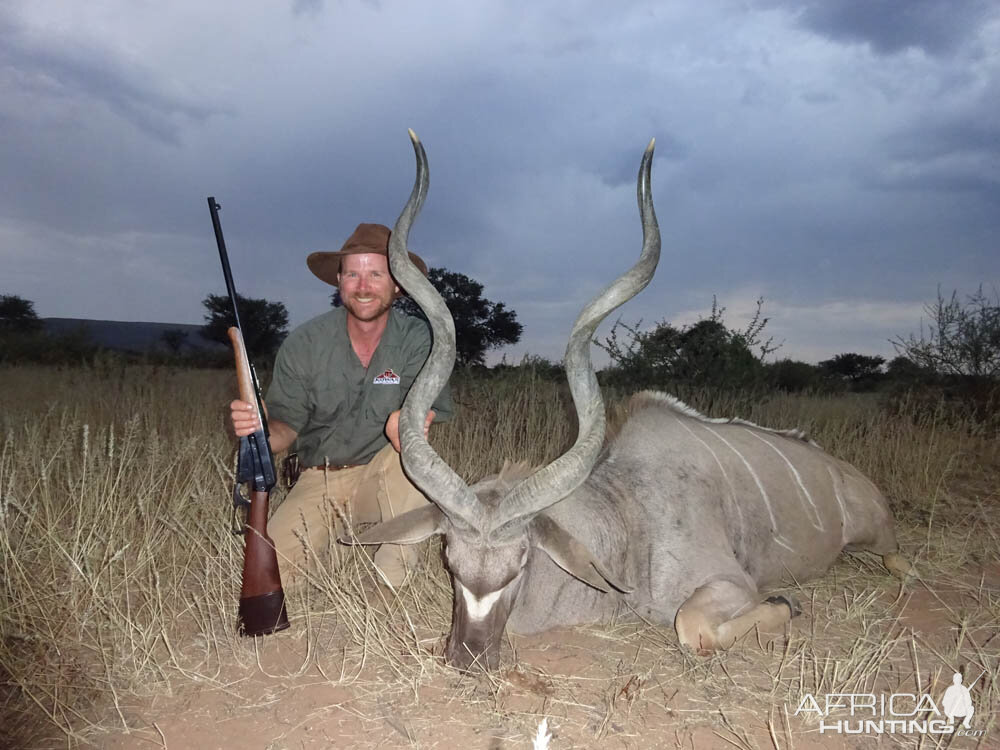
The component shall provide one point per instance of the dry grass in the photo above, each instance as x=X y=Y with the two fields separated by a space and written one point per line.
x=119 y=584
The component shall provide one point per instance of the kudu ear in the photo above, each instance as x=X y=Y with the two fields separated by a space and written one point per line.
x=572 y=556
x=411 y=527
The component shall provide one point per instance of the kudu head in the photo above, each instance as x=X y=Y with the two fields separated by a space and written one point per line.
x=491 y=528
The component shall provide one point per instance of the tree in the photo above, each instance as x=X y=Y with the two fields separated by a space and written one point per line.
x=480 y=324
x=904 y=370
x=264 y=324
x=705 y=353
x=648 y=355
x=711 y=354
x=174 y=338
x=962 y=338
x=853 y=367
x=18 y=315
x=792 y=376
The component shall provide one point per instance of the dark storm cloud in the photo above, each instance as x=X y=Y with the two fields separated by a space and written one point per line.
x=891 y=26
x=615 y=168
x=979 y=139
x=945 y=156
x=949 y=175
x=307 y=6
x=63 y=71
x=836 y=183
x=952 y=148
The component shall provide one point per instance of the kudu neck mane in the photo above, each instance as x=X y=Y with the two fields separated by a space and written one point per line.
x=645 y=399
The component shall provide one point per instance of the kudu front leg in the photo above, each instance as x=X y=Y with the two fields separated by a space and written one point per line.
x=719 y=613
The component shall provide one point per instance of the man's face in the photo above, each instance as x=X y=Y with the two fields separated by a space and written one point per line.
x=366 y=287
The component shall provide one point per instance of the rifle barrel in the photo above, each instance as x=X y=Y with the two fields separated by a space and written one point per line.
x=214 y=209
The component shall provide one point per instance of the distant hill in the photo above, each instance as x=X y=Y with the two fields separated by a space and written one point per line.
x=132 y=337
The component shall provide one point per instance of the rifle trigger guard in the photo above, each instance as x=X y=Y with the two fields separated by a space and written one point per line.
x=238 y=528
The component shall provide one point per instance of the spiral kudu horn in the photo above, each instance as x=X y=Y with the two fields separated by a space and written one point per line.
x=426 y=468
x=566 y=473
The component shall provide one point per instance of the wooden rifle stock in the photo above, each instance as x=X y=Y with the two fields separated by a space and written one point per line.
x=262 y=600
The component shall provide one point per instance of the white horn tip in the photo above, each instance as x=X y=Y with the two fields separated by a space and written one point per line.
x=652 y=143
x=413 y=136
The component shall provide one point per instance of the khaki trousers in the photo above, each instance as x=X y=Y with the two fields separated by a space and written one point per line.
x=371 y=493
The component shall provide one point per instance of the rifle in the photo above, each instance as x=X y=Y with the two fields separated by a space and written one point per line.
x=262 y=600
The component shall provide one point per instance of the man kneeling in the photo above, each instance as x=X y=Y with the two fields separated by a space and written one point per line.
x=339 y=381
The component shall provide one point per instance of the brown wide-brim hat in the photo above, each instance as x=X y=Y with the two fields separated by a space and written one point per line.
x=367 y=238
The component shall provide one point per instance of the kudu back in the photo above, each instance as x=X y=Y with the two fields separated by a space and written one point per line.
x=681 y=519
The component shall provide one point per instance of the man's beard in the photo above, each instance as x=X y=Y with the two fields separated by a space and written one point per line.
x=369 y=312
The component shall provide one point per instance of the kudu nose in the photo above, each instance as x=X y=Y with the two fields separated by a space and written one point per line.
x=467 y=658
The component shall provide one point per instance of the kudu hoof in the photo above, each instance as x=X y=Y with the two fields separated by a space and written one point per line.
x=789 y=601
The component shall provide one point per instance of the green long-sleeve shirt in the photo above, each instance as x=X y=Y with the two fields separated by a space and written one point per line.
x=337 y=406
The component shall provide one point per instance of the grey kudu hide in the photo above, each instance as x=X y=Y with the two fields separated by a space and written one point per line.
x=680 y=520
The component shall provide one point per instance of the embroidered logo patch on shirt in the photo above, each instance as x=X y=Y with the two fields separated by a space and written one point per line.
x=386 y=378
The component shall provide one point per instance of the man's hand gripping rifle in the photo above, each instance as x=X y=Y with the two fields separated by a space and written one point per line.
x=262 y=600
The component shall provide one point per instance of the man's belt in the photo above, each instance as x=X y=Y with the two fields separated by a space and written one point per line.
x=291 y=468
x=334 y=467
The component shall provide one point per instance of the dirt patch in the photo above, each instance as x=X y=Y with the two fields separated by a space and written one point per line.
x=610 y=687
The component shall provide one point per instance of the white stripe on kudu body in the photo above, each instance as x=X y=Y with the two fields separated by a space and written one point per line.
x=840 y=504
x=722 y=469
x=478 y=607
x=756 y=479
x=778 y=537
x=818 y=523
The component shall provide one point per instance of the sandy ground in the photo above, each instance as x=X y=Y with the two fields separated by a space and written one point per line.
x=611 y=687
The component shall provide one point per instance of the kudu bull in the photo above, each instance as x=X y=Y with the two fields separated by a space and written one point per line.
x=681 y=519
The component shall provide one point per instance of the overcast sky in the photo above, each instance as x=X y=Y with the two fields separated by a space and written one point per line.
x=840 y=158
